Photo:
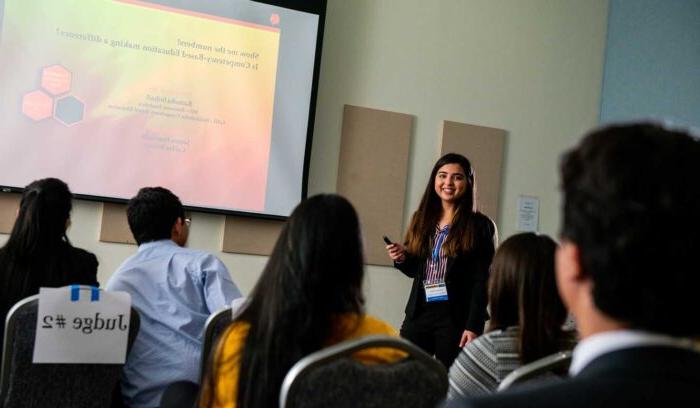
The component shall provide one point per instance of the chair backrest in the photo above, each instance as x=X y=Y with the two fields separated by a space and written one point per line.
x=213 y=328
x=545 y=367
x=25 y=384
x=331 y=377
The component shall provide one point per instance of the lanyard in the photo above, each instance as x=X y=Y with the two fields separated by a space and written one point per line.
x=440 y=240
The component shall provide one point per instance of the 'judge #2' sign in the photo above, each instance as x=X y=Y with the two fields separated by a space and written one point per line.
x=80 y=324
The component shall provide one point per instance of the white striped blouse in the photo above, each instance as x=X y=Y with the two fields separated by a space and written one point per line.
x=436 y=264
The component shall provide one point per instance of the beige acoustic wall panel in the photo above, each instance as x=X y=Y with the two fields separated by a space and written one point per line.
x=483 y=146
x=115 y=227
x=255 y=236
x=372 y=173
x=9 y=203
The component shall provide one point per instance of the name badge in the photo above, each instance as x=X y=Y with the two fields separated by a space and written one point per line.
x=435 y=292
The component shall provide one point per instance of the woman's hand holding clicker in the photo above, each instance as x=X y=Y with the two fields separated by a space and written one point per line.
x=396 y=252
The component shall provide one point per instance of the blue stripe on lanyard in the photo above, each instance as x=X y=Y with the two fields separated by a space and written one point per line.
x=438 y=244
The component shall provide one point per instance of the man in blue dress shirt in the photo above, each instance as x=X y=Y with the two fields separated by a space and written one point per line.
x=174 y=290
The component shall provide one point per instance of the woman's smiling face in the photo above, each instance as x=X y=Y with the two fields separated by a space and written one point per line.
x=450 y=182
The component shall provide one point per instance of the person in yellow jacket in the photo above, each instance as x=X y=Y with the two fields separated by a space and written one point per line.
x=309 y=296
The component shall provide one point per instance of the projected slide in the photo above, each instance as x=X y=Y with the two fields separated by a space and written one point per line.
x=115 y=95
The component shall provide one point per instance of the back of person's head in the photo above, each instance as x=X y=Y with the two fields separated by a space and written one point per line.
x=152 y=213
x=318 y=260
x=42 y=219
x=632 y=207
x=38 y=239
x=314 y=274
x=523 y=293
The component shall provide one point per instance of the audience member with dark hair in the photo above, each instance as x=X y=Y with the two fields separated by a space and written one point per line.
x=449 y=246
x=38 y=252
x=174 y=289
x=626 y=268
x=309 y=296
x=527 y=315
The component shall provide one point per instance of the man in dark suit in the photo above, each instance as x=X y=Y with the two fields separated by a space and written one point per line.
x=627 y=270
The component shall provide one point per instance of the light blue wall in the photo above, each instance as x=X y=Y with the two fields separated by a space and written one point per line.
x=652 y=61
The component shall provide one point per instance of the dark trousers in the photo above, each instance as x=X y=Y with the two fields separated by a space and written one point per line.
x=433 y=331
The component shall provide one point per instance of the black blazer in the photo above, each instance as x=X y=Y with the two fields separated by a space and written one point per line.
x=466 y=278
x=637 y=377
x=69 y=265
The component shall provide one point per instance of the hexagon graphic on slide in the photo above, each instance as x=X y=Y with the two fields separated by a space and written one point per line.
x=56 y=79
x=37 y=105
x=69 y=110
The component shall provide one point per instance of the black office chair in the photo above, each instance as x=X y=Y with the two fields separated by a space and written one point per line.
x=24 y=384
x=332 y=378
x=183 y=394
x=215 y=325
x=549 y=367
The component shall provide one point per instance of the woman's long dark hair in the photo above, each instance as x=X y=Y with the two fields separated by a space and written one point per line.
x=463 y=231
x=314 y=273
x=37 y=237
x=523 y=293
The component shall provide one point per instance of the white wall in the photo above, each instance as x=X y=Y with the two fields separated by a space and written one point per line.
x=531 y=67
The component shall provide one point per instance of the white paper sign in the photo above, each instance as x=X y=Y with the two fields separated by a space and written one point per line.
x=79 y=324
x=528 y=213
